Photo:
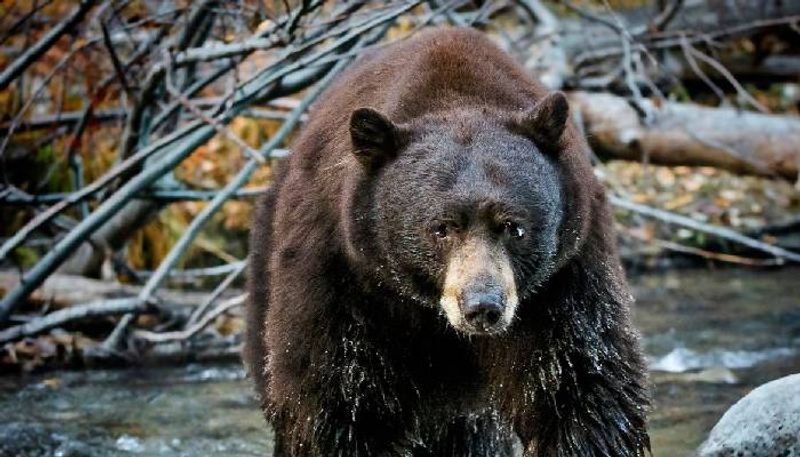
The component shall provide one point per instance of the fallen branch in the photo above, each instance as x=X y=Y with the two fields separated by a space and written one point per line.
x=779 y=253
x=17 y=197
x=223 y=51
x=718 y=256
x=93 y=187
x=58 y=318
x=165 y=354
x=200 y=311
x=241 y=178
x=698 y=21
x=221 y=129
x=182 y=335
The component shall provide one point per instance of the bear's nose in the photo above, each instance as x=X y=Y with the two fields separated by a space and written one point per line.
x=483 y=309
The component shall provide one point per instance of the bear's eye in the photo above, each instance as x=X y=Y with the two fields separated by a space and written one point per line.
x=440 y=231
x=513 y=229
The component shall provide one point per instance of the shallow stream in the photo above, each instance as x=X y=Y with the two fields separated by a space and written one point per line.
x=711 y=337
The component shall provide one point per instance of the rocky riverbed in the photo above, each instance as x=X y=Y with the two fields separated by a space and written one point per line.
x=711 y=336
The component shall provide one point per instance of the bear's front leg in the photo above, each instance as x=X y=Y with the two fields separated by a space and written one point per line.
x=344 y=401
x=576 y=410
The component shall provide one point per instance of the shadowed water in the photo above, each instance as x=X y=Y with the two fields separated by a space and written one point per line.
x=710 y=337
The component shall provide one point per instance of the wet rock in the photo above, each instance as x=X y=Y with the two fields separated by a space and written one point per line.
x=765 y=423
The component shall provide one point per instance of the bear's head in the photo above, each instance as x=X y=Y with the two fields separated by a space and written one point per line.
x=461 y=210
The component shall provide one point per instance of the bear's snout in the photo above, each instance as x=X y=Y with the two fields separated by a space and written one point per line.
x=483 y=309
x=479 y=294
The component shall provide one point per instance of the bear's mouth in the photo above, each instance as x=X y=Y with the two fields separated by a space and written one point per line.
x=479 y=296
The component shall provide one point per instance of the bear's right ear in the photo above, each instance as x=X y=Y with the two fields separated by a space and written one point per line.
x=376 y=140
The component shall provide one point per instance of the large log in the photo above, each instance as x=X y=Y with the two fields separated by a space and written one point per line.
x=685 y=134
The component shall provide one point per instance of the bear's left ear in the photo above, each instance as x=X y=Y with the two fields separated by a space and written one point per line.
x=376 y=140
x=545 y=123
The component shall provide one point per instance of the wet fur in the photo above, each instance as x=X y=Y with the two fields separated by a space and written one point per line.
x=346 y=360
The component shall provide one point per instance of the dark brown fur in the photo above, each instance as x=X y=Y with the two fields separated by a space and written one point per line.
x=349 y=363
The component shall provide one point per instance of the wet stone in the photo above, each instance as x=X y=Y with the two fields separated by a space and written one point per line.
x=765 y=423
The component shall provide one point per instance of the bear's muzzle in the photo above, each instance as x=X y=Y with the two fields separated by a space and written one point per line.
x=479 y=294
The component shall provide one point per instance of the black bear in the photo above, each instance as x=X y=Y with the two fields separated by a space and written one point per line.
x=434 y=272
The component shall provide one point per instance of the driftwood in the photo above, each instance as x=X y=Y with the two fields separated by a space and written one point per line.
x=686 y=134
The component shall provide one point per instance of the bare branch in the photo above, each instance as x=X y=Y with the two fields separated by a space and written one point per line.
x=35 y=8
x=672 y=39
x=90 y=189
x=243 y=176
x=743 y=93
x=34 y=52
x=36 y=92
x=224 y=51
x=13 y=196
x=222 y=130
x=687 y=47
x=118 y=67
x=239 y=267
x=666 y=15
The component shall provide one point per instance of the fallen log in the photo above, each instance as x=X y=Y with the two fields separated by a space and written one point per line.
x=742 y=142
x=61 y=291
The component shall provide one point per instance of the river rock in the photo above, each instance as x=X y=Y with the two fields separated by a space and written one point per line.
x=765 y=423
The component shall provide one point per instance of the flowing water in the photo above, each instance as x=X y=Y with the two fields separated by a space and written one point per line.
x=711 y=337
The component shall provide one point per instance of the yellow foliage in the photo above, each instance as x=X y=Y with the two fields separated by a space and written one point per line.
x=237 y=215
x=402 y=28
x=99 y=150
x=148 y=246
x=229 y=325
